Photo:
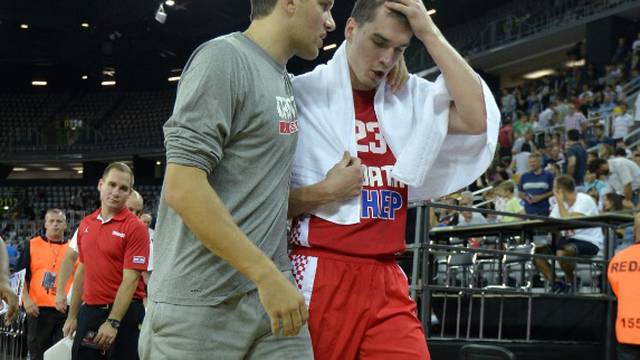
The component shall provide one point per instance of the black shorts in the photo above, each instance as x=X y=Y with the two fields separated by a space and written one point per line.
x=582 y=247
x=628 y=352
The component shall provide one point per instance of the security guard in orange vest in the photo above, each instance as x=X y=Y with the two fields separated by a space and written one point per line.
x=624 y=277
x=41 y=258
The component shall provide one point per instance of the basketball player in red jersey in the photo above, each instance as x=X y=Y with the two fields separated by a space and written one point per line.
x=358 y=296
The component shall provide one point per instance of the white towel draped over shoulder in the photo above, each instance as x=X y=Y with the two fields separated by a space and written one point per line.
x=414 y=122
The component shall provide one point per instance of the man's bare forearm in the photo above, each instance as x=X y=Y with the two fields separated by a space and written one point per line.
x=307 y=198
x=4 y=264
x=462 y=82
x=130 y=279
x=64 y=272
x=78 y=288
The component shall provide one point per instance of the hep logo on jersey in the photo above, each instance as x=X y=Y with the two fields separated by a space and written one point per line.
x=380 y=204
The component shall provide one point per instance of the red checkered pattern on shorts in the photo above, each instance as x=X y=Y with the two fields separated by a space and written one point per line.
x=294 y=233
x=299 y=263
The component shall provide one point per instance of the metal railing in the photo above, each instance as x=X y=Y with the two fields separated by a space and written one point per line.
x=424 y=284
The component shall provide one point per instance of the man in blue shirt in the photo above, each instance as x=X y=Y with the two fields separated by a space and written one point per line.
x=13 y=254
x=576 y=158
x=535 y=187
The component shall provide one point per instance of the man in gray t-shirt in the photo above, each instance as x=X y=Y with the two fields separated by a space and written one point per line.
x=220 y=283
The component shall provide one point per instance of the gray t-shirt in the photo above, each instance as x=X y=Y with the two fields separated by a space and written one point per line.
x=235 y=118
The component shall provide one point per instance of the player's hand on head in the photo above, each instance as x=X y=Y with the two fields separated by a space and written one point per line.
x=417 y=15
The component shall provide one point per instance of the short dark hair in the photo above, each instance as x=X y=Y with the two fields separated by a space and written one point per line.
x=616 y=201
x=57 y=212
x=565 y=182
x=620 y=152
x=595 y=164
x=573 y=135
x=365 y=11
x=261 y=8
x=120 y=166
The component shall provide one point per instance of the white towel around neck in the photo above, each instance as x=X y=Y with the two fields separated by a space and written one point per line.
x=414 y=122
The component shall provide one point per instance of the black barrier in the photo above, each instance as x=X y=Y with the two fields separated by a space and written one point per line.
x=424 y=287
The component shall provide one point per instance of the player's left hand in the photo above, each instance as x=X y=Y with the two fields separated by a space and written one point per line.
x=419 y=19
x=106 y=335
x=11 y=299
x=398 y=76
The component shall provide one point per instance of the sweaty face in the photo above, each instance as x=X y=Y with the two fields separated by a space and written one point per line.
x=375 y=48
x=115 y=189
x=312 y=22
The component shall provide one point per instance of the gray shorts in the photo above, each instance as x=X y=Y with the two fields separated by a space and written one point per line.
x=238 y=328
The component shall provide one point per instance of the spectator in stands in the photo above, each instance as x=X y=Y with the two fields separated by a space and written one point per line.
x=636 y=156
x=607 y=105
x=612 y=202
x=527 y=138
x=621 y=147
x=521 y=159
x=605 y=151
x=561 y=108
x=622 y=122
x=113 y=249
x=576 y=157
x=469 y=217
x=14 y=254
x=41 y=258
x=623 y=175
x=508 y=103
x=635 y=52
x=522 y=125
x=584 y=242
x=551 y=155
x=600 y=137
x=575 y=120
x=6 y=293
x=545 y=119
x=507 y=201
x=505 y=138
x=536 y=187
x=586 y=96
x=595 y=187
x=623 y=276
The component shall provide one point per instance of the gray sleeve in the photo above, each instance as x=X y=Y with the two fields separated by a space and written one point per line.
x=200 y=125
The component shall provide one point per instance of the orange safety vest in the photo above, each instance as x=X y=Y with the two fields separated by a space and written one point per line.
x=624 y=277
x=45 y=256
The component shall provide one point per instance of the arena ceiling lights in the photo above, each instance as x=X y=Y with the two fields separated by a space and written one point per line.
x=575 y=63
x=539 y=74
